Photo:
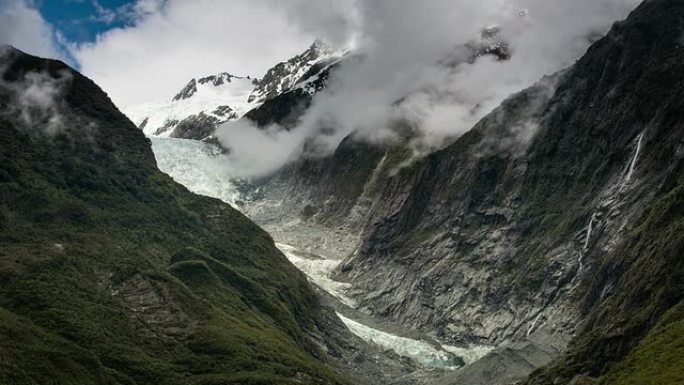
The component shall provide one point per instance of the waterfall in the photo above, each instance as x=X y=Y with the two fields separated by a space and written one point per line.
x=534 y=323
x=634 y=160
x=589 y=229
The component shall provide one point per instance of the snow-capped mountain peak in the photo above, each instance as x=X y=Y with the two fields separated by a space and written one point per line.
x=285 y=75
x=218 y=80
x=201 y=105
x=208 y=101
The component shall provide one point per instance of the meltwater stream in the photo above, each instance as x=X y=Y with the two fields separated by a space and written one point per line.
x=203 y=170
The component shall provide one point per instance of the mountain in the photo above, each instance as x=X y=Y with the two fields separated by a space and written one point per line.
x=205 y=103
x=197 y=109
x=112 y=273
x=285 y=75
x=552 y=231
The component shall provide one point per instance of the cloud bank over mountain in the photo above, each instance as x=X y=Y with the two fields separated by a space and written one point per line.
x=414 y=69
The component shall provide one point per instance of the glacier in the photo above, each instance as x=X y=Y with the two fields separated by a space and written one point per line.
x=204 y=170
x=318 y=270
x=198 y=166
x=425 y=354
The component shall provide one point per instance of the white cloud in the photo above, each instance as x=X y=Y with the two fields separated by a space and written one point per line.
x=256 y=152
x=402 y=42
x=36 y=96
x=177 y=40
x=23 y=27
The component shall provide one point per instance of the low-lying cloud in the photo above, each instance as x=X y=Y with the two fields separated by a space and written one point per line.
x=256 y=152
x=35 y=99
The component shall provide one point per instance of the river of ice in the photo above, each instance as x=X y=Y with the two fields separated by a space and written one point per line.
x=197 y=166
x=202 y=169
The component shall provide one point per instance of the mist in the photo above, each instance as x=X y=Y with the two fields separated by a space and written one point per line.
x=36 y=98
x=399 y=76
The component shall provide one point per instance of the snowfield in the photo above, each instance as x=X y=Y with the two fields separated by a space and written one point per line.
x=207 y=99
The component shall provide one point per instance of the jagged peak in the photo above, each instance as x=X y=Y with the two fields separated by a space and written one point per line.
x=187 y=91
x=216 y=80
x=284 y=75
x=320 y=46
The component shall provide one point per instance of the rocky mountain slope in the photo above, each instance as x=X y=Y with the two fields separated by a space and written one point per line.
x=557 y=219
x=205 y=103
x=114 y=274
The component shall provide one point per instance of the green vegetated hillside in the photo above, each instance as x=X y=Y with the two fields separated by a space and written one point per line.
x=657 y=359
x=112 y=273
x=628 y=341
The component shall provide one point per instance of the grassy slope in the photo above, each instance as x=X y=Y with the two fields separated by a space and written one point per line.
x=86 y=215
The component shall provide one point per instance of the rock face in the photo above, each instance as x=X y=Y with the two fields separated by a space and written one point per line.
x=557 y=217
x=112 y=273
x=529 y=221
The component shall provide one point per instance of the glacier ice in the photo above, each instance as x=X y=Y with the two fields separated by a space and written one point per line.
x=425 y=354
x=197 y=166
x=318 y=270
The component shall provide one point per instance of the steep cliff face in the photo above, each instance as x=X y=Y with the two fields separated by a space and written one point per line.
x=557 y=218
x=559 y=214
x=111 y=273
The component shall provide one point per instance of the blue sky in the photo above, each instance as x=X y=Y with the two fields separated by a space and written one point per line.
x=146 y=50
x=81 y=21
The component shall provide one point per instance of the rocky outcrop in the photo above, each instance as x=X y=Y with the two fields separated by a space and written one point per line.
x=195 y=127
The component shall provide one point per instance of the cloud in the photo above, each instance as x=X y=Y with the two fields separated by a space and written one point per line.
x=173 y=41
x=23 y=27
x=35 y=98
x=333 y=21
x=404 y=40
x=255 y=152
x=399 y=78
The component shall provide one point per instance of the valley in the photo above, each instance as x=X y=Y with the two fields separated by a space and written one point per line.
x=197 y=170
x=488 y=194
x=504 y=253
x=318 y=251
